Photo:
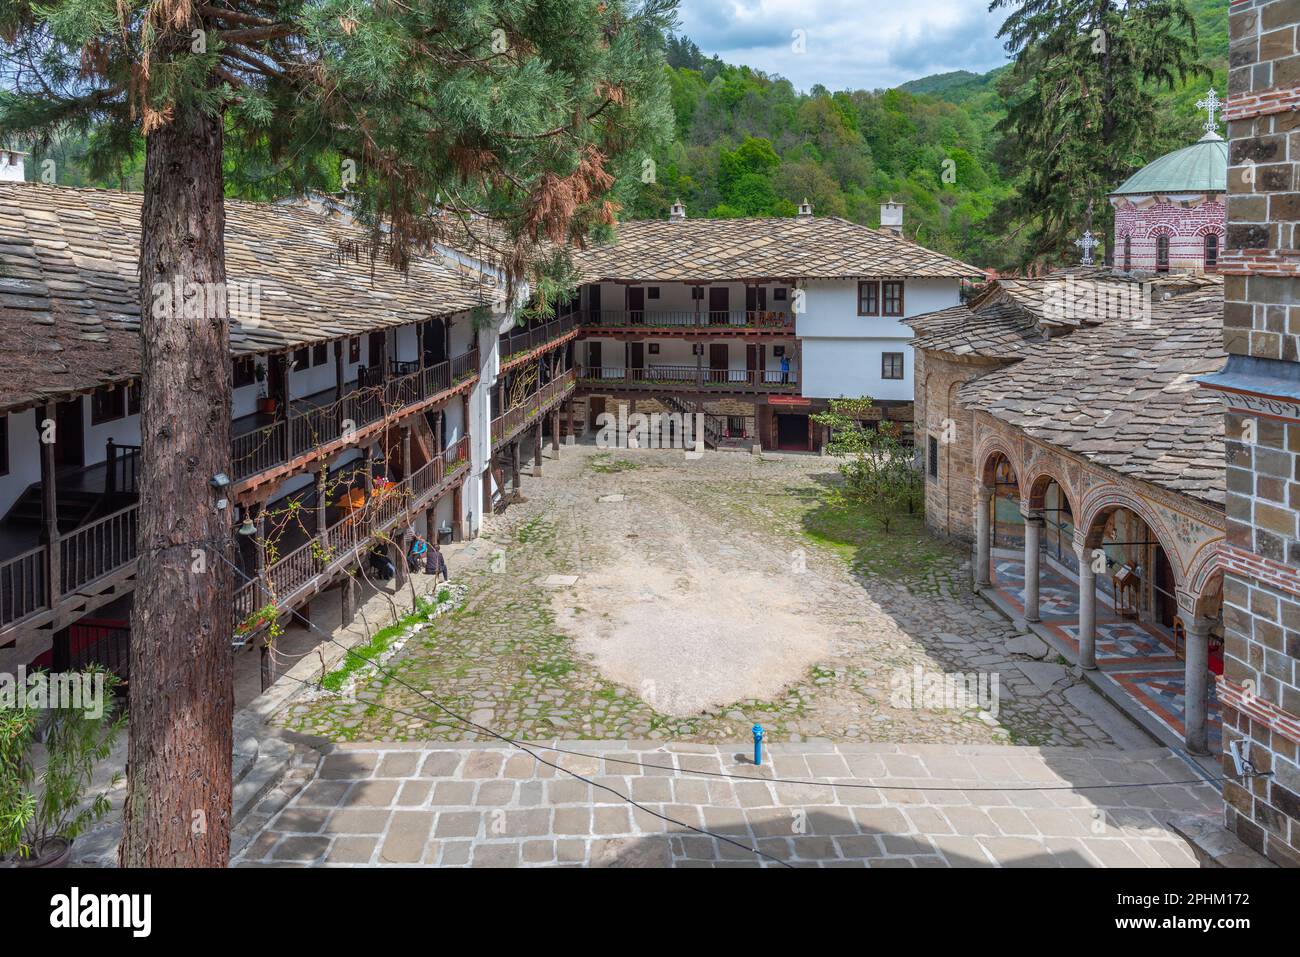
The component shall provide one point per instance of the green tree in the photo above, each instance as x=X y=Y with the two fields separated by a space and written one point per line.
x=533 y=115
x=879 y=472
x=1080 y=105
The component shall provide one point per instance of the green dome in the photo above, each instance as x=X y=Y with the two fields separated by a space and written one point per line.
x=1199 y=168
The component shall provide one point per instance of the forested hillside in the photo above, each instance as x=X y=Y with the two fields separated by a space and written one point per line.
x=751 y=145
x=748 y=144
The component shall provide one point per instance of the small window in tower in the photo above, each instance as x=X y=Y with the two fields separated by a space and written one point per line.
x=1211 y=252
x=932 y=463
x=1162 y=254
x=1128 y=253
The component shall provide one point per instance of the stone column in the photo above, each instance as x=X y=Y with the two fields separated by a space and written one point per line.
x=1087 y=612
x=1197 y=684
x=983 y=539
x=1033 y=534
x=348 y=595
x=514 y=464
x=555 y=432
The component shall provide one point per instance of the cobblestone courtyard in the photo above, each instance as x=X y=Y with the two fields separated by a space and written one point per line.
x=639 y=595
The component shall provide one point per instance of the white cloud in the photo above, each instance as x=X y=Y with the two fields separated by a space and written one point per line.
x=866 y=44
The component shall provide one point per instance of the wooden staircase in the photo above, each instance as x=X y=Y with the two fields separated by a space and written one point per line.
x=74 y=507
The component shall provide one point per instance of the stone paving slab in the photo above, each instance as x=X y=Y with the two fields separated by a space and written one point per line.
x=838 y=805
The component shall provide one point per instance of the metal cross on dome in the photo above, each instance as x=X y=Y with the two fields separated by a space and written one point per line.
x=1210 y=104
x=1088 y=243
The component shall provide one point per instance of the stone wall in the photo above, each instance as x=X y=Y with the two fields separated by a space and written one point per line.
x=949 y=495
x=1260 y=688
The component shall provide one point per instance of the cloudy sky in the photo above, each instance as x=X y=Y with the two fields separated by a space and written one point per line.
x=848 y=44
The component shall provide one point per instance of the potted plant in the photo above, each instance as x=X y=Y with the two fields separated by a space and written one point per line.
x=43 y=787
x=266 y=404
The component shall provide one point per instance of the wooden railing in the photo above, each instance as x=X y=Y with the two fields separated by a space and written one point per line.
x=511 y=421
x=23 y=588
x=284 y=578
x=525 y=340
x=306 y=430
x=774 y=319
x=97 y=549
x=739 y=380
x=122 y=469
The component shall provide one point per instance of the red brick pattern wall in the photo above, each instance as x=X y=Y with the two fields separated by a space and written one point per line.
x=1186 y=227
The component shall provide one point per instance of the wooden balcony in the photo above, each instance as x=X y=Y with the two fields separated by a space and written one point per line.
x=691 y=379
x=513 y=421
x=316 y=425
x=103 y=553
x=517 y=347
x=314 y=565
x=639 y=323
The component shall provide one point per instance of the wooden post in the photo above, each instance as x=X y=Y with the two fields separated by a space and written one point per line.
x=457 y=513
x=110 y=464
x=368 y=469
x=338 y=370
x=514 y=464
x=348 y=594
x=266 y=670
x=49 y=506
x=406 y=452
x=431 y=523
x=437 y=432
x=569 y=407
x=555 y=432
x=537 y=450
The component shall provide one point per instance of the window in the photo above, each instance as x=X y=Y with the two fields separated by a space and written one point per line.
x=107 y=404
x=932 y=458
x=779 y=294
x=868 y=299
x=652 y=292
x=697 y=292
x=133 y=394
x=301 y=358
x=1128 y=253
x=1162 y=254
x=319 y=354
x=244 y=372
x=4 y=444
x=891 y=365
x=653 y=348
x=892 y=294
x=354 y=349
x=1211 y=251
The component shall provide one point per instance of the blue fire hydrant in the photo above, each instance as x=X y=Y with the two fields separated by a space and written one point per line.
x=758 y=745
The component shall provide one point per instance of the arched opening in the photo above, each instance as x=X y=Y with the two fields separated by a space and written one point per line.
x=1128 y=253
x=1007 y=527
x=1162 y=253
x=1211 y=252
x=1047 y=497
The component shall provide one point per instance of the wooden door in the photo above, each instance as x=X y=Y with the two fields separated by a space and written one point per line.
x=635 y=306
x=635 y=357
x=69 y=434
x=719 y=360
x=376 y=352
x=593 y=303
x=719 y=304
x=593 y=360
x=595 y=409
x=755 y=301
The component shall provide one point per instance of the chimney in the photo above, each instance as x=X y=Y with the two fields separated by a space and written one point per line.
x=891 y=217
x=677 y=212
x=805 y=209
x=11 y=166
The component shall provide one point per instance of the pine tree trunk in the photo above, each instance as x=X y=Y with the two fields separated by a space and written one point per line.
x=178 y=800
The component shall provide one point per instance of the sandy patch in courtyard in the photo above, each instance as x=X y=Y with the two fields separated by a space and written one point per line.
x=694 y=639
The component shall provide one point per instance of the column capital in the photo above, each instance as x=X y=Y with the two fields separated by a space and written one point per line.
x=1198 y=626
x=1033 y=516
x=985 y=493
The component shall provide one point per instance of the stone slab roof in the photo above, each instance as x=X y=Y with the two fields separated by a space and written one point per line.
x=716 y=250
x=1124 y=394
x=995 y=331
x=69 y=303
